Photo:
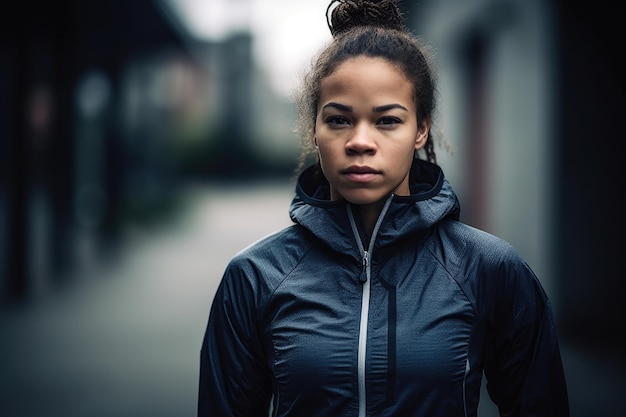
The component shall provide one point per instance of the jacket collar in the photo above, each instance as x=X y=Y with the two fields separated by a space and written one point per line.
x=432 y=200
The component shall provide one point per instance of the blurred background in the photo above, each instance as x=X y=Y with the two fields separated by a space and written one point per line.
x=143 y=143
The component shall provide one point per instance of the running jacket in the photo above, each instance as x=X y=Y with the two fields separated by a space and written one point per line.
x=319 y=320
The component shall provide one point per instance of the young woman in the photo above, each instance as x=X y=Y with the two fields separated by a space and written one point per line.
x=377 y=301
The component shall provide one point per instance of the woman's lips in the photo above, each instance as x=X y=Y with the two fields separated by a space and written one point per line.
x=360 y=174
x=360 y=177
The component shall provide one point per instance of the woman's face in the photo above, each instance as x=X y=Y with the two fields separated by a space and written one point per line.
x=366 y=130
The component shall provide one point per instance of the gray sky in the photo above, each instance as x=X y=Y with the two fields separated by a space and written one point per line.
x=287 y=32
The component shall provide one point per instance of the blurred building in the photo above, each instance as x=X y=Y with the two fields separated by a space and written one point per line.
x=532 y=93
x=105 y=108
x=63 y=162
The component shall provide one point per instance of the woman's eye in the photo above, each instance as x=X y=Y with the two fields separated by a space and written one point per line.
x=337 y=120
x=388 y=121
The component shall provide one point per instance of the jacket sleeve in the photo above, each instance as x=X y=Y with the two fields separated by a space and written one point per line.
x=523 y=362
x=234 y=377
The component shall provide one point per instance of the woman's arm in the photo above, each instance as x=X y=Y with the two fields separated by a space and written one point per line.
x=523 y=362
x=234 y=379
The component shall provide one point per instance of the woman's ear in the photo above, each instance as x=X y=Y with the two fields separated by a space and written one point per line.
x=314 y=136
x=422 y=134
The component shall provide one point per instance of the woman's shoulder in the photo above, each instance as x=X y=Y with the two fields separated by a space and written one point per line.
x=463 y=241
x=274 y=244
x=482 y=262
x=257 y=270
x=273 y=255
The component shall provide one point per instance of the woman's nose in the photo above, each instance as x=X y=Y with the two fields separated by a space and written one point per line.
x=361 y=141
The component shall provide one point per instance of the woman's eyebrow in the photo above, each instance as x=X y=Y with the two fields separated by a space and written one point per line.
x=386 y=107
x=338 y=106
x=378 y=109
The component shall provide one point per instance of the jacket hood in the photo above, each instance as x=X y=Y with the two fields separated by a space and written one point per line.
x=432 y=200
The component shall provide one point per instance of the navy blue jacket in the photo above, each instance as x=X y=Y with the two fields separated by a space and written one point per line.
x=318 y=320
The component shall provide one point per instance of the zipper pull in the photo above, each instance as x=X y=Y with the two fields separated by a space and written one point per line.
x=363 y=276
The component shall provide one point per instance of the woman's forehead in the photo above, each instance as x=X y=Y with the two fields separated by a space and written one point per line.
x=367 y=77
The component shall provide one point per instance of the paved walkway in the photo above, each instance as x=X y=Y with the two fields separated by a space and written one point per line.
x=124 y=339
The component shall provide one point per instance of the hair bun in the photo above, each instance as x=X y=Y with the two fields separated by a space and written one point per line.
x=353 y=13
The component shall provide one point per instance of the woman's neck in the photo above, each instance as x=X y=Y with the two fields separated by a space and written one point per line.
x=369 y=214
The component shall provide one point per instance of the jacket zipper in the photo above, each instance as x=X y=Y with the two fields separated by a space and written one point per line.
x=364 y=277
x=365 y=263
x=365 y=306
